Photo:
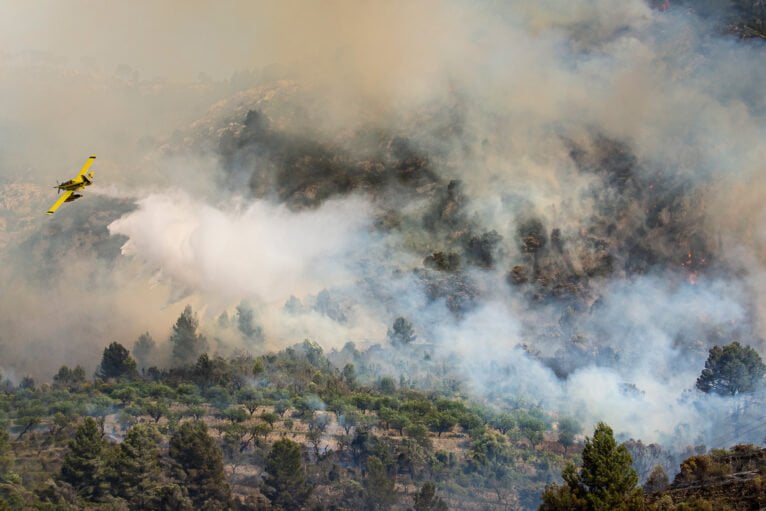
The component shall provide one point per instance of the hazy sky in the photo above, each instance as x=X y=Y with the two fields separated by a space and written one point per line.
x=175 y=39
x=112 y=78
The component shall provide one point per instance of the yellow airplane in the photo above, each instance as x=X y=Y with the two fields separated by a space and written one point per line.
x=77 y=183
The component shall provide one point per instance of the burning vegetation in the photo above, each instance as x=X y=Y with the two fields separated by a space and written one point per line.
x=524 y=283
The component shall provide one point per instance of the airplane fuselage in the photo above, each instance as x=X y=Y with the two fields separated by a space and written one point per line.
x=76 y=184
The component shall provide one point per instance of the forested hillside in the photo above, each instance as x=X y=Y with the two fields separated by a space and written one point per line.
x=301 y=429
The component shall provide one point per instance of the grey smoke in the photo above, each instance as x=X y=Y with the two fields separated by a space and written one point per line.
x=565 y=112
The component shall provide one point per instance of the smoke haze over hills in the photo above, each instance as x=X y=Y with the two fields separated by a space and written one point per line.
x=568 y=195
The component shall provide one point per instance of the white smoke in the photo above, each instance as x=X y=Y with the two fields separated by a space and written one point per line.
x=258 y=249
x=643 y=321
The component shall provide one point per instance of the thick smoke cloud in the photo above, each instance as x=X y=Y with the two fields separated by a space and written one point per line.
x=260 y=250
x=651 y=332
x=606 y=230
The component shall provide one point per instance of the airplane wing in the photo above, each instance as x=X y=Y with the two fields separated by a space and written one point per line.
x=87 y=165
x=59 y=202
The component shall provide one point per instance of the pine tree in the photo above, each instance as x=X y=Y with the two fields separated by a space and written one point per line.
x=69 y=377
x=605 y=482
x=285 y=481
x=116 y=362
x=136 y=469
x=143 y=349
x=401 y=333
x=6 y=455
x=349 y=375
x=607 y=472
x=166 y=497
x=84 y=464
x=568 y=429
x=187 y=344
x=246 y=323
x=379 y=486
x=563 y=498
x=200 y=466
x=62 y=376
x=427 y=500
x=731 y=370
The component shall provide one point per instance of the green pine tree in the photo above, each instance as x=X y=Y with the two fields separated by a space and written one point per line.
x=135 y=469
x=731 y=370
x=379 y=486
x=200 y=466
x=605 y=482
x=401 y=333
x=116 y=362
x=285 y=481
x=427 y=500
x=84 y=462
x=166 y=497
x=187 y=344
x=143 y=349
x=6 y=455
